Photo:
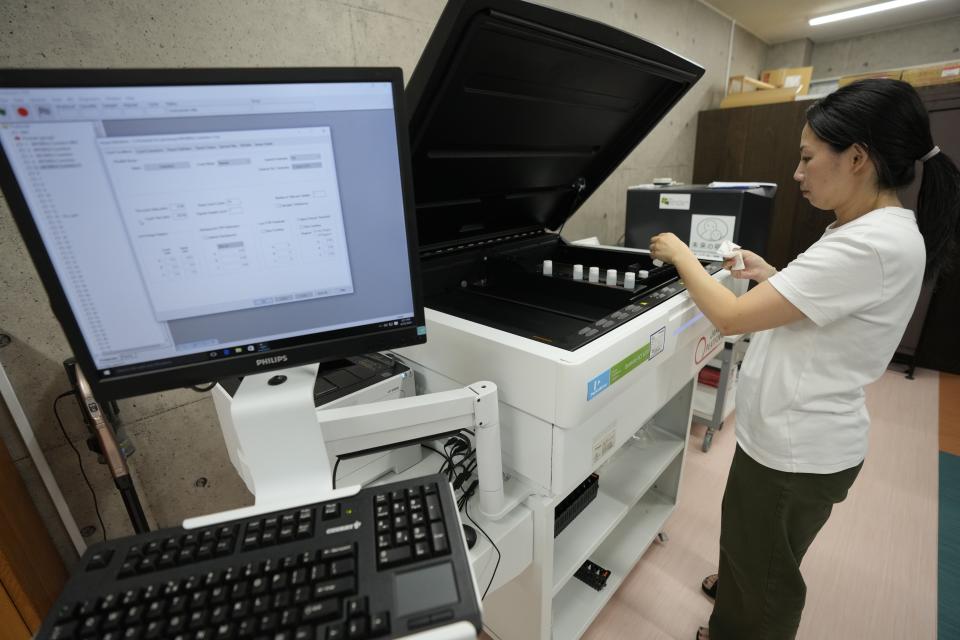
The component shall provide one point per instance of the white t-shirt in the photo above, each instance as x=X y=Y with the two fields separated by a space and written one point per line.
x=800 y=400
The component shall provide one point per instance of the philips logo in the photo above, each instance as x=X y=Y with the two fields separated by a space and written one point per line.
x=274 y=360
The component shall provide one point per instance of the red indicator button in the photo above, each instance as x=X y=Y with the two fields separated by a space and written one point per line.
x=23 y=111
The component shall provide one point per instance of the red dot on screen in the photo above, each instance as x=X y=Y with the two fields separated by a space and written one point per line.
x=23 y=111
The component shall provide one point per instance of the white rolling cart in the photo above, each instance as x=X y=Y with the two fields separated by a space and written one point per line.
x=712 y=406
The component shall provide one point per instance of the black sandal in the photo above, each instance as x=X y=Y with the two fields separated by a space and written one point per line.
x=711 y=591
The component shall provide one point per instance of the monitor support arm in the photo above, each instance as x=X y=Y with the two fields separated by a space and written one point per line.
x=271 y=430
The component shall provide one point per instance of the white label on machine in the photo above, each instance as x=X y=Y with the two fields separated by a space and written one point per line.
x=675 y=201
x=603 y=444
x=707 y=233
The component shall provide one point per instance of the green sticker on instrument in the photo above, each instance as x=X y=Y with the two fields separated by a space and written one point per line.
x=630 y=363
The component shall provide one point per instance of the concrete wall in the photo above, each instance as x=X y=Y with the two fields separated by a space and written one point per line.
x=927 y=43
x=181 y=462
x=796 y=53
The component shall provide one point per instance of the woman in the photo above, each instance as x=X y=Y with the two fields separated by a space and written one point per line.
x=824 y=327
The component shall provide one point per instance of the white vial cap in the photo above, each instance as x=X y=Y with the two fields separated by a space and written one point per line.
x=548 y=267
x=629 y=280
x=611 y=277
x=643 y=274
x=578 y=272
x=594 y=274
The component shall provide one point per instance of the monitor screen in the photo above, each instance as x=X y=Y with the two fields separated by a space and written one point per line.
x=190 y=225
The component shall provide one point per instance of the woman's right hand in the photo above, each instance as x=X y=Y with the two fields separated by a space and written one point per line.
x=754 y=267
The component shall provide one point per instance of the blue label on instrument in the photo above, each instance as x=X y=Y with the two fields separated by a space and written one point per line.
x=598 y=384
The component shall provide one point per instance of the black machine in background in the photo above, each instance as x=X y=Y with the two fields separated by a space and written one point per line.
x=518 y=113
x=751 y=211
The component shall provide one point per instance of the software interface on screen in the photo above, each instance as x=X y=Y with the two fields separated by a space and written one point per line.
x=209 y=221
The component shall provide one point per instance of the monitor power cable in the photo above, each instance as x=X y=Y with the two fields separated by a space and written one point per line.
x=93 y=494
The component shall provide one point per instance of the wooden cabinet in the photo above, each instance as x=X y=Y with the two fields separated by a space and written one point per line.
x=32 y=573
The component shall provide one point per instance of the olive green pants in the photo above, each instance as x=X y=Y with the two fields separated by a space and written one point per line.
x=769 y=518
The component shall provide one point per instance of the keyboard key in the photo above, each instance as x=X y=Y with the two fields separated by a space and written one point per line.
x=342 y=567
x=99 y=560
x=335 y=632
x=331 y=511
x=401 y=537
x=267 y=623
x=357 y=628
x=356 y=606
x=379 y=624
x=287 y=519
x=240 y=609
x=341 y=551
x=290 y=617
x=154 y=629
x=421 y=550
x=419 y=533
x=318 y=572
x=439 y=535
x=417 y=517
x=392 y=557
x=337 y=587
x=383 y=525
x=218 y=615
x=304 y=530
x=433 y=508
x=301 y=595
x=304 y=633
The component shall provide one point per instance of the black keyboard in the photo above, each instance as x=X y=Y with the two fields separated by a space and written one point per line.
x=387 y=562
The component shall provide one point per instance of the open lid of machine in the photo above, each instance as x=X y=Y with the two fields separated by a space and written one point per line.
x=519 y=112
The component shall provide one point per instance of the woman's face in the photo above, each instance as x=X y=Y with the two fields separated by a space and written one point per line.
x=821 y=173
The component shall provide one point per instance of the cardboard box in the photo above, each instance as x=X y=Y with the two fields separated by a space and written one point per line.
x=892 y=74
x=939 y=74
x=763 y=96
x=789 y=77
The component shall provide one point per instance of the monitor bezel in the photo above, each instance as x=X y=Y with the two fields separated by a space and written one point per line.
x=186 y=375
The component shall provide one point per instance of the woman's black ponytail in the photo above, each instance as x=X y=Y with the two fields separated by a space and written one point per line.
x=889 y=119
x=938 y=211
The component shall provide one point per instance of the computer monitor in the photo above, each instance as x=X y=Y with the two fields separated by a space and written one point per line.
x=190 y=225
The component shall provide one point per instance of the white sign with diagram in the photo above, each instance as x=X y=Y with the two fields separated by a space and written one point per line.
x=708 y=232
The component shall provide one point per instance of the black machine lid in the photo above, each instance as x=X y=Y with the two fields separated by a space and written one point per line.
x=519 y=112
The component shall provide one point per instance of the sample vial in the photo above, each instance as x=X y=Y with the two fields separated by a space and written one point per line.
x=548 y=267
x=611 y=277
x=578 y=272
x=629 y=280
x=594 y=274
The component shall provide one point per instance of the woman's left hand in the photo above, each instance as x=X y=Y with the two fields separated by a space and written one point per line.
x=668 y=247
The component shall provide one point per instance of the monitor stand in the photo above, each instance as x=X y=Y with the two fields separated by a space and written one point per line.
x=270 y=427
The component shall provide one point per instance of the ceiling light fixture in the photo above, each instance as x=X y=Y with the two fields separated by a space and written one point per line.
x=862 y=11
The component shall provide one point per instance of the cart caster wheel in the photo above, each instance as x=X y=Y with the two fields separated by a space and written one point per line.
x=707 y=441
x=663 y=538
